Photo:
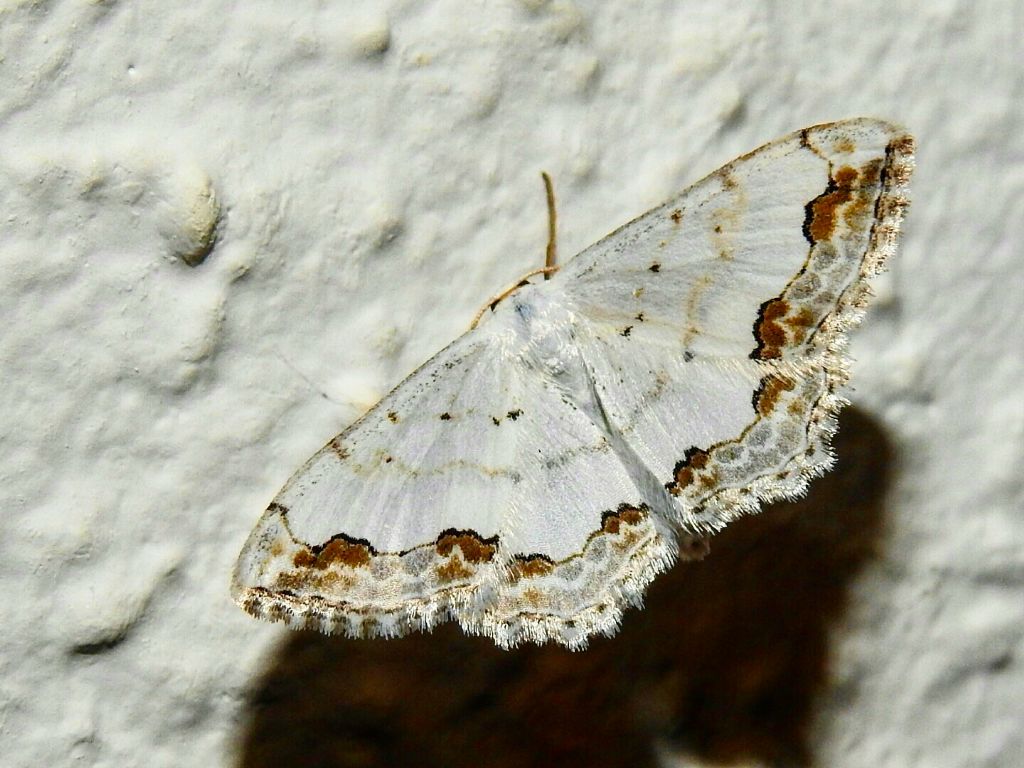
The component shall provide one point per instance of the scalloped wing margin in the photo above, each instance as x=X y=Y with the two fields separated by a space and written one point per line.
x=461 y=576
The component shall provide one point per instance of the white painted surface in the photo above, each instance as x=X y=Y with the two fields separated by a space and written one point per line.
x=376 y=171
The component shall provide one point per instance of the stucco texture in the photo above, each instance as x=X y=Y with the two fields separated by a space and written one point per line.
x=226 y=229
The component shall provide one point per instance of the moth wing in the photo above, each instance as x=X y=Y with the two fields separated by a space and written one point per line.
x=442 y=500
x=714 y=325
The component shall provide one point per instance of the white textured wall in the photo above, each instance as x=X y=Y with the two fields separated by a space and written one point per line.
x=372 y=171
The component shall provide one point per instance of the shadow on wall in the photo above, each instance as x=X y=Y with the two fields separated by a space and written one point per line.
x=723 y=663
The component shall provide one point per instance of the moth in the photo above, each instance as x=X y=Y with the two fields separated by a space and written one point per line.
x=533 y=477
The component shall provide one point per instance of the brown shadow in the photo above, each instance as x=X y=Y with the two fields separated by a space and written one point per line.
x=724 y=663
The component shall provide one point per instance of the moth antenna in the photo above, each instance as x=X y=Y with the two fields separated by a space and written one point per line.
x=496 y=298
x=551 y=255
x=550 y=260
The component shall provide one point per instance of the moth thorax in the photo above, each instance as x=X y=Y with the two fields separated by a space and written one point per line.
x=544 y=327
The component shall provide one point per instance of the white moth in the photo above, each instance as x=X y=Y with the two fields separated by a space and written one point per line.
x=534 y=476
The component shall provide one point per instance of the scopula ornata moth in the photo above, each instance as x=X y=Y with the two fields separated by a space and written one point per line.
x=535 y=475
